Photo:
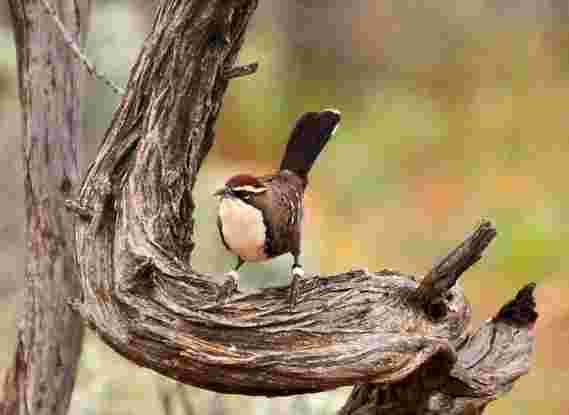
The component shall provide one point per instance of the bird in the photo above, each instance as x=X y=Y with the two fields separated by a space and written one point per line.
x=260 y=217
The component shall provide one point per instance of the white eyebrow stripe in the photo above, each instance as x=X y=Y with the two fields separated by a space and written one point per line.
x=250 y=189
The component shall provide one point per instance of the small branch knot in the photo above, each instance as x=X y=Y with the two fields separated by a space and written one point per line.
x=80 y=210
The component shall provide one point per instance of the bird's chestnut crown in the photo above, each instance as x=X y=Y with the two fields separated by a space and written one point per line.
x=242 y=184
x=242 y=180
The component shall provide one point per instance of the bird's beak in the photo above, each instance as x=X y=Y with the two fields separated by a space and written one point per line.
x=220 y=192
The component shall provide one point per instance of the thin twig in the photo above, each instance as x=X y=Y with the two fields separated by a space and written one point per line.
x=240 y=71
x=71 y=44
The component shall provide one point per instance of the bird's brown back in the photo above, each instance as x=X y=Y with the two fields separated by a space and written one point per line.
x=282 y=209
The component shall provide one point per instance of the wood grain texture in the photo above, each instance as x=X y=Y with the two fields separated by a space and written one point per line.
x=142 y=296
x=49 y=336
x=488 y=363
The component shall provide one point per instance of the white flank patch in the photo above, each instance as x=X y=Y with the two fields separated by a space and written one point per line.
x=243 y=229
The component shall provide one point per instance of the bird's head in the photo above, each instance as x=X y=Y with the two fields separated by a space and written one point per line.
x=242 y=186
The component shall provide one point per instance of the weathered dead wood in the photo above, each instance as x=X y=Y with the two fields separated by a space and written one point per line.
x=49 y=336
x=445 y=274
x=134 y=236
x=489 y=361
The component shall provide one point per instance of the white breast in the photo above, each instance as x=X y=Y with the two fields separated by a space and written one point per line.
x=243 y=229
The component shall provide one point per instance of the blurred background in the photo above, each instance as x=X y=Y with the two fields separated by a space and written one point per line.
x=452 y=111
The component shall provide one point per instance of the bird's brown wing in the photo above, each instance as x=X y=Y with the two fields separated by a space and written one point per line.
x=282 y=212
x=220 y=229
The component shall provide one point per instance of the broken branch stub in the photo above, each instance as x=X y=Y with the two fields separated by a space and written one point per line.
x=445 y=274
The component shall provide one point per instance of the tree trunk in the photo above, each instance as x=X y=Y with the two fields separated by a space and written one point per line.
x=50 y=334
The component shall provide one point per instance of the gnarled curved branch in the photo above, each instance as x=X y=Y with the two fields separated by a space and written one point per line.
x=489 y=361
x=135 y=238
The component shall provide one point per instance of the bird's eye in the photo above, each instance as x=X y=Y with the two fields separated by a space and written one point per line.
x=243 y=195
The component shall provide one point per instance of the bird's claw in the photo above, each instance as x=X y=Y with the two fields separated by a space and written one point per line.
x=297 y=276
x=229 y=287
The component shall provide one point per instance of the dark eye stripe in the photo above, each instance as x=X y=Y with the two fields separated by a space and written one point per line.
x=242 y=194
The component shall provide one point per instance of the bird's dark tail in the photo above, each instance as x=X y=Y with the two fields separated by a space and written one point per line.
x=309 y=136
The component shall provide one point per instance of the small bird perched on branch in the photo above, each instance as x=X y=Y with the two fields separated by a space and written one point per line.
x=261 y=217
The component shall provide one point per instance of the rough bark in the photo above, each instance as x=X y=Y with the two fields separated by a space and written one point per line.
x=488 y=362
x=134 y=233
x=49 y=337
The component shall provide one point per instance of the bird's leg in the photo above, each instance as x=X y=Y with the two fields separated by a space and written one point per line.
x=231 y=285
x=297 y=275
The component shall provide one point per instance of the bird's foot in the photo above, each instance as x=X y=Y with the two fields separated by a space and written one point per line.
x=297 y=276
x=229 y=287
